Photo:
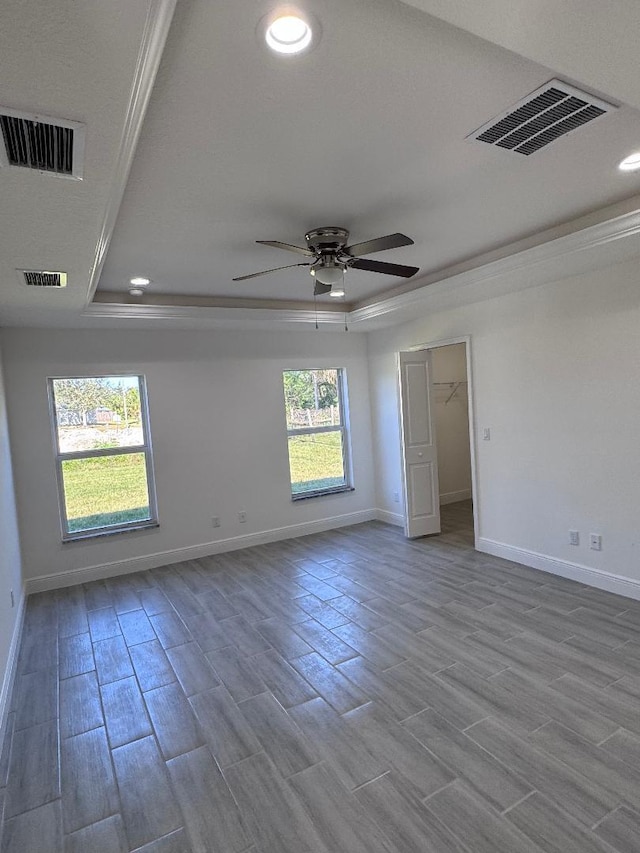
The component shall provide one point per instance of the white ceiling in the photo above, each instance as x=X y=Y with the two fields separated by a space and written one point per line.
x=589 y=40
x=75 y=61
x=366 y=131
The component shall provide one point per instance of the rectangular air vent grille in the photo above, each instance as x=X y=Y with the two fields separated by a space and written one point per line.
x=546 y=114
x=44 y=278
x=41 y=143
x=36 y=145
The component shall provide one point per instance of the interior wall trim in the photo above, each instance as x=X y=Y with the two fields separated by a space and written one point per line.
x=618 y=584
x=11 y=667
x=216 y=316
x=72 y=577
x=390 y=517
x=154 y=37
x=515 y=259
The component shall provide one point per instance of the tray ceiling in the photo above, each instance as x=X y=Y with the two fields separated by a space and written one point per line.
x=367 y=131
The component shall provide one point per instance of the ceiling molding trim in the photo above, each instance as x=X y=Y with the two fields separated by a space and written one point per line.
x=156 y=29
x=106 y=297
x=215 y=316
x=600 y=234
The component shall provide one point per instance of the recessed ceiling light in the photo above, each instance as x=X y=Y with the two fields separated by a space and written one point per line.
x=140 y=281
x=630 y=163
x=337 y=291
x=288 y=34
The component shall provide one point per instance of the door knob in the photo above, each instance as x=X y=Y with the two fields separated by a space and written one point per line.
x=420 y=453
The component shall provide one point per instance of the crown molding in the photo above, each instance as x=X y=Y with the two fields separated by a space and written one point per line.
x=592 y=236
x=170 y=300
x=215 y=316
x=154 y=36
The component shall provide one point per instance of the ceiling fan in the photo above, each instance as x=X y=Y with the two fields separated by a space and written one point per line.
x=329 y=257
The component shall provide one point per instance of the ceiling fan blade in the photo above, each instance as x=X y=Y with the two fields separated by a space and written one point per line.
x=381 y=266
x=391 y=241
x=288 y=246
x=266 y=272
x=320 y=289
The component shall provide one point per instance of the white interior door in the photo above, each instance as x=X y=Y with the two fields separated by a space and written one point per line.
x=419 y=451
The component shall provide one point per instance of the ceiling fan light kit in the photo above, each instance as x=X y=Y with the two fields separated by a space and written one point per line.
x=330 y=257
x=330 y=274
x=138 y=285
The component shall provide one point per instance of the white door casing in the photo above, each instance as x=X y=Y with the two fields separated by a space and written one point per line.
x=419 y=449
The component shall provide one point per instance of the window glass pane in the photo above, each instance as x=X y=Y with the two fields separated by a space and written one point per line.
x=105 y=490
x=98 y=412
x=311 y=398
x=316 y=462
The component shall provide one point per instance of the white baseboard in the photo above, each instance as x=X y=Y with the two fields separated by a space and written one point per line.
x=193 y=552
x=454 y=497
x=390 y=517
x=618 y=584
x=10 y=668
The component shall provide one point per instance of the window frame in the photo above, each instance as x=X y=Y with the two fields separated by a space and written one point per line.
x=342 y=428
x=64 y=456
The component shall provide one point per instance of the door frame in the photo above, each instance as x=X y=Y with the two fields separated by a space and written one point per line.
x=445 y=342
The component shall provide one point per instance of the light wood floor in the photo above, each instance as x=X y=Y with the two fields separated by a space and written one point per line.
x=348 y=692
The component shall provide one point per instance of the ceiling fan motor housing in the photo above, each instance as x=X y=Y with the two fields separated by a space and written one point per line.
x=327 y=240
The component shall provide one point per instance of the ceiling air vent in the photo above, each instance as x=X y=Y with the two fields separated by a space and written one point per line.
x=44 y=278
x=42 y=143
x=543 y=116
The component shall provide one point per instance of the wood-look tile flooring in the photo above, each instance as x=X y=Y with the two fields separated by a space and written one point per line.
x=347 y=692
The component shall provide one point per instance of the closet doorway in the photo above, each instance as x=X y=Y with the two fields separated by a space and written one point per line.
x=436 y=403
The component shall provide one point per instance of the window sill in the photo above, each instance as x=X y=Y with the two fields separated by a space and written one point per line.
x=114 y=531
x=303 y=496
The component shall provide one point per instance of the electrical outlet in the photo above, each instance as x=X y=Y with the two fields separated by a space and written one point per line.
x=574 y=537
x=242 y=517
x=486 y=434
x=13 y=601
x=595 y=542
x=396 y=497
x=215 y=521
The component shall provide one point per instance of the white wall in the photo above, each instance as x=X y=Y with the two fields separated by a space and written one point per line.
x=218 y=432
x=555 y=371
x=449 y=364
x=10 y=576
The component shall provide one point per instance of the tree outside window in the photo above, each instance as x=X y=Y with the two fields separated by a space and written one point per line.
x=317 y=431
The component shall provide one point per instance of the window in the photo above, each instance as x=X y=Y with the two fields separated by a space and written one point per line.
x=103 y=454
x=317 y=432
